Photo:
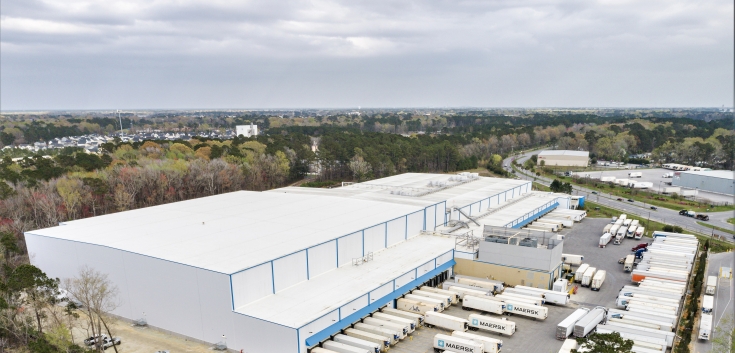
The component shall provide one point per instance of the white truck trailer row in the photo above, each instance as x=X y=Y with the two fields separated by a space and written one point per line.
x=644 y=322
x=588 y=322
x=622 y=300
x=465 y=291
x=628 y=291
x=396 y=319
x=358 y=342
x=383 y=341
x=392 y=334
x=483 y=304
x=418 y=319
x=402 y=329
x=566 y=327
x=550 y=296
x=454 y=295
x=668 y=336
x=338 y=347
x=634 y=315
x=480 y=282
x=420 y=298
x=633 y=334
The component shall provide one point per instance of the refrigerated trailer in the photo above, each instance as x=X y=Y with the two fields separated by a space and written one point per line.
x=481 y=304
x=444 y=321
x=444 y=343
x=628 y=263
x=530 y=310
x=392 y=334
x=550 y=296
x=605 y=239
x=403 y=329
x=416 y=306
x=634 y=315
x=588 y=322
x=344 y=348
x=667 y=336
x=711 y=287
x=463 y=292
x=479 y=283
x=357 y=342
x=447 y=299
x=598 y=279
x=521 y=298
x=632 y=334
x=580 y=272
x=622 y=300
x=396 y=319
x=629 y=290
x=519 y=291
x=572 y=259
x=638 y=276
x=454 y=295
x=491 y=345
x=418 y=319
x=708 y=302
x=566 y=326
x=384 y=341
x=656 y=326
x=424 y=299
x=492 y=324
x=587 y=276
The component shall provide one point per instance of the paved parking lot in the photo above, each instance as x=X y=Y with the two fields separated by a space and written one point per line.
x=654 y=176
x=539 y=336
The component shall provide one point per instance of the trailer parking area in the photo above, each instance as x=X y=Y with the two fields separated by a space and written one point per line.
x=538 y=336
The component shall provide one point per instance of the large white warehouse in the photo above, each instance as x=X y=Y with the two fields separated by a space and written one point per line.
x=718 y=181
x=282 y=270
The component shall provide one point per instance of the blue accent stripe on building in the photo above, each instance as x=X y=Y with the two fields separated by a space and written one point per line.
x=273 y=278
x=536 y=216
x=334 y=328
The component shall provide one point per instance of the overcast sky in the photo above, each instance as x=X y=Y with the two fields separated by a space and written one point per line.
x=128 y=54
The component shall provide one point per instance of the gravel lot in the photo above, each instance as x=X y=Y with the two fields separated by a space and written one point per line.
x=538 y=336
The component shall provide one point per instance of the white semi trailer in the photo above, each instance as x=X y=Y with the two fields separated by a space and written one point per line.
x=588 y=322
x=397 y=319
x=705 y=327
x=357 y=342
x=487 y=323
x=447 y=299
x=463 y=291
x=424 y=299
x=454 y=295
x=444 y=343
x=534 y=311
x=491 y=345
x=401 y=328
x=566 y=327
x=580 y=272
x=394 y=335
x=384 y=341
x=598 y=279
x=444 y=321
x=416 y=306
x=418 y=319
x=344 y=348
x=520 y=299
x=482 y=304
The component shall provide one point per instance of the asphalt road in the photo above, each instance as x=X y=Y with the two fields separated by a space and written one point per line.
x=723 y=297
x=662 y=215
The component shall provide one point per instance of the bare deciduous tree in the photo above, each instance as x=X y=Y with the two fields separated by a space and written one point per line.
x=97 y=297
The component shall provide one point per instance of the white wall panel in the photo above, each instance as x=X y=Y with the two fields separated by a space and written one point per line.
x=475 y=208
x=441 y=209
x=215 y=302
x=289 y=270
x=322 y=258
x=464 y=255
x=353 y=306
x=258 y=336
x=509 y=194
x=425 y=268
x=375 y=238
x=110 y=262
x=350 y=247
x=167 y=292
x=405 y=279
x=483 y=205
x=430 y=218
x=381 y=291
x=320 y=324
x=252 y=284
x=444 y=258
x=415 y=223
x=44 y=254
x=396 y=231
x=494 y=201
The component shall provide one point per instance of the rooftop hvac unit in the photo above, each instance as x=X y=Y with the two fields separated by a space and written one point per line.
x=494 y=239
x=529 y=242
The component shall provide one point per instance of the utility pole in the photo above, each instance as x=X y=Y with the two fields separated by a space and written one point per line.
x=120 y=119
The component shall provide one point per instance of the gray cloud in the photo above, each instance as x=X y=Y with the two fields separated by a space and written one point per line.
x=336 y=53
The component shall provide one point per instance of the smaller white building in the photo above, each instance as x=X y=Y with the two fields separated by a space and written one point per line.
x=564 y=158
x=246 y=130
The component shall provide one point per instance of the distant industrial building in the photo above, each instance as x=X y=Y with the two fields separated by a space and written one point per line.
x=717 y=181
x=246 y=130
x=564 y=158
x=283 y=270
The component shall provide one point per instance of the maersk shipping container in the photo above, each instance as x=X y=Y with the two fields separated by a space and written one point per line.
x=523 y=309
x=455 y=344
x=491 y=345
x=492 y=324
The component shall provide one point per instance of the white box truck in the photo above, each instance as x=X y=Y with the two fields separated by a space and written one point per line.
x=416 y=306
x=357 y=342
x=566 y=326
x=443 y=297
x=454 y=295
x=393 y=334
x=481 y=304
x=628 y=263
x=397 y=319
x=444 y=321
x=580 y=272
x=558 y=298
x=615 y=228
x=705 y=327
x=530 y=310
x=463 y=292
x=433 y=301
x=607 y=228
x=572 y=259
x=605 y=239
x=418 y=319
x=492 y=324
x=711 y=285
x=343 y=348
x=631 y=231
x=588 y=322
x=598 y=279
x=491 y=345
x=587 y=276
x=708 y=302
x=444 y=343
x=635 y=175
x=639 y=233
x=402 y=328
x=383 y=341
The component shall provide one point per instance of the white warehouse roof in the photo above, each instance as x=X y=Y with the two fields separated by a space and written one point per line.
x=229 y=232
x=298 y=305
x=564 y=153
x=720 y=174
